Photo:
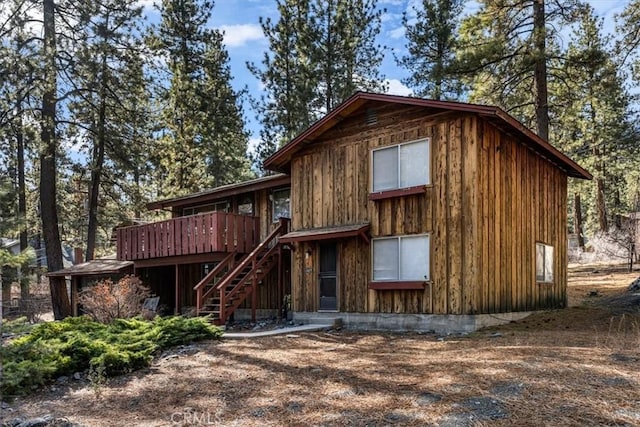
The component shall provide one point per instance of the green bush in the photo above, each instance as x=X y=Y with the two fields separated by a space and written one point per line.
x=76 y=344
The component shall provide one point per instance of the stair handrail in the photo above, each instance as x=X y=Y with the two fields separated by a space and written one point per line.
x=200 y=297
x=215 y=270
x=221 y=286
x=275 y=233
x=255 y=267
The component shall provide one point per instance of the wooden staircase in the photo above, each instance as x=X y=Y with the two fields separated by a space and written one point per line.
x=232 y=281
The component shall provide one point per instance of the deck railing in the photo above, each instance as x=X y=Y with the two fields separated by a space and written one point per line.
x=189 y=235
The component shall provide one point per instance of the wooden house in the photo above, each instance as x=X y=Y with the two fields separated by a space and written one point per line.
x=405 y=213
x=413 y=213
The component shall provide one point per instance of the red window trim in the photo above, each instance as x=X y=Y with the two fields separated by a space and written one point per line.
x=398 y=285
x=387 y=194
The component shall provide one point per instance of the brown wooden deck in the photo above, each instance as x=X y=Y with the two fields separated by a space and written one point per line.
x=189 y=235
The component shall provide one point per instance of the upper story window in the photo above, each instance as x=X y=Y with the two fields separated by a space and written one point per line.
x=544 y=263
x=222 y=206
x=401 y=258
x=401 y=166
x=281 y=204
x=245 y=205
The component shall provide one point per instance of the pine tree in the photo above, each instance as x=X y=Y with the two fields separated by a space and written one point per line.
x=321 y=52
x=287 y=75
x=594 y=123
x=188 y=141
x=431 y=45
x=505 y=48
x=48 y=155
x=628 y=28
x=18 y=65
x=225 y=147
x=107 y=49
x=345 y=52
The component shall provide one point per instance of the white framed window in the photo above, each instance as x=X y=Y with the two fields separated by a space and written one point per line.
x=401 y=166
x=401 y=258
x=281 y=204
x=544 y=263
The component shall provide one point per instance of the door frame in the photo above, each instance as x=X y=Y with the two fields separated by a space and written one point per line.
x=319 y=246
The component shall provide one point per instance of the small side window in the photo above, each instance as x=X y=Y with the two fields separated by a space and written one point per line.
x=245 y=206
x=544 y=263
x=281 y=204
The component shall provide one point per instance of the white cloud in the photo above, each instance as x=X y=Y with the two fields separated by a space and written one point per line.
x=397 y=33
x=146 y=4
x=240 y=34
x=397 y=88
x=252 y=145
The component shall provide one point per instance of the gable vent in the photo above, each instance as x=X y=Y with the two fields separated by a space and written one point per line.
x=372 y=117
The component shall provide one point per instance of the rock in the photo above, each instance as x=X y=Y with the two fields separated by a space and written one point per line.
x=496 y=335
x=77 y=376
x=37 y=422
x=294 y=407
x=13 y=423
x=337 y=324
x=292 y=336
x=634 y=286
x=63 y=379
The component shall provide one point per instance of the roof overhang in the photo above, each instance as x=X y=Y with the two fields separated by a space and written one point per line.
x=327 y=233
x=281 y=159
x=96 y=267
x=271 y=181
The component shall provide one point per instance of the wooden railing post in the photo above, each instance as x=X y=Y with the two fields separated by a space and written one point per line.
x=254 y=290
x=198 y=301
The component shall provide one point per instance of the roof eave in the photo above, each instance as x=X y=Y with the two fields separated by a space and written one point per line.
x=222 y=192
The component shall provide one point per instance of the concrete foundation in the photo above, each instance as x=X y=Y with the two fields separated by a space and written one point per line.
x=245 y=314
x=438 y=323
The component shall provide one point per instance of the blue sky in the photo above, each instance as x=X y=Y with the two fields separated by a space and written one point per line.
x=245 y=42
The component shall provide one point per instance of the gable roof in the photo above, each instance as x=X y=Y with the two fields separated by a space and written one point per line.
x=265 y=182
x=280 y=160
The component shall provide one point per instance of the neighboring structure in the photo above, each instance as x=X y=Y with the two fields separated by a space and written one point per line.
x=405 y=213
x=86 y=273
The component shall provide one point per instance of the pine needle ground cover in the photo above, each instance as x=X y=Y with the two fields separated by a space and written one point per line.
x=54 y=349
x=572 y=367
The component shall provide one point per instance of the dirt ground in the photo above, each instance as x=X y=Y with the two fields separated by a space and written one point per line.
x=573 y=367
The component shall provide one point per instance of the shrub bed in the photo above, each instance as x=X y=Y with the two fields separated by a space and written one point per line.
x=75 y=344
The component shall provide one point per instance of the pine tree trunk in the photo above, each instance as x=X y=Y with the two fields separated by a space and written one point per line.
x=577 y=219
x=617 y=204
x=49 y=207
x=540 y=69
x=22 y=202
x=600 y=206
x=96 y=170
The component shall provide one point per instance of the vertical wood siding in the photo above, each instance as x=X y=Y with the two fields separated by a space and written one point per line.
x=490 y=200
x=523 y=201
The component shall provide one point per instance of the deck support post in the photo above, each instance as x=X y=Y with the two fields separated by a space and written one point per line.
x=254 y=298
x=177 y=307
x=280 y=285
